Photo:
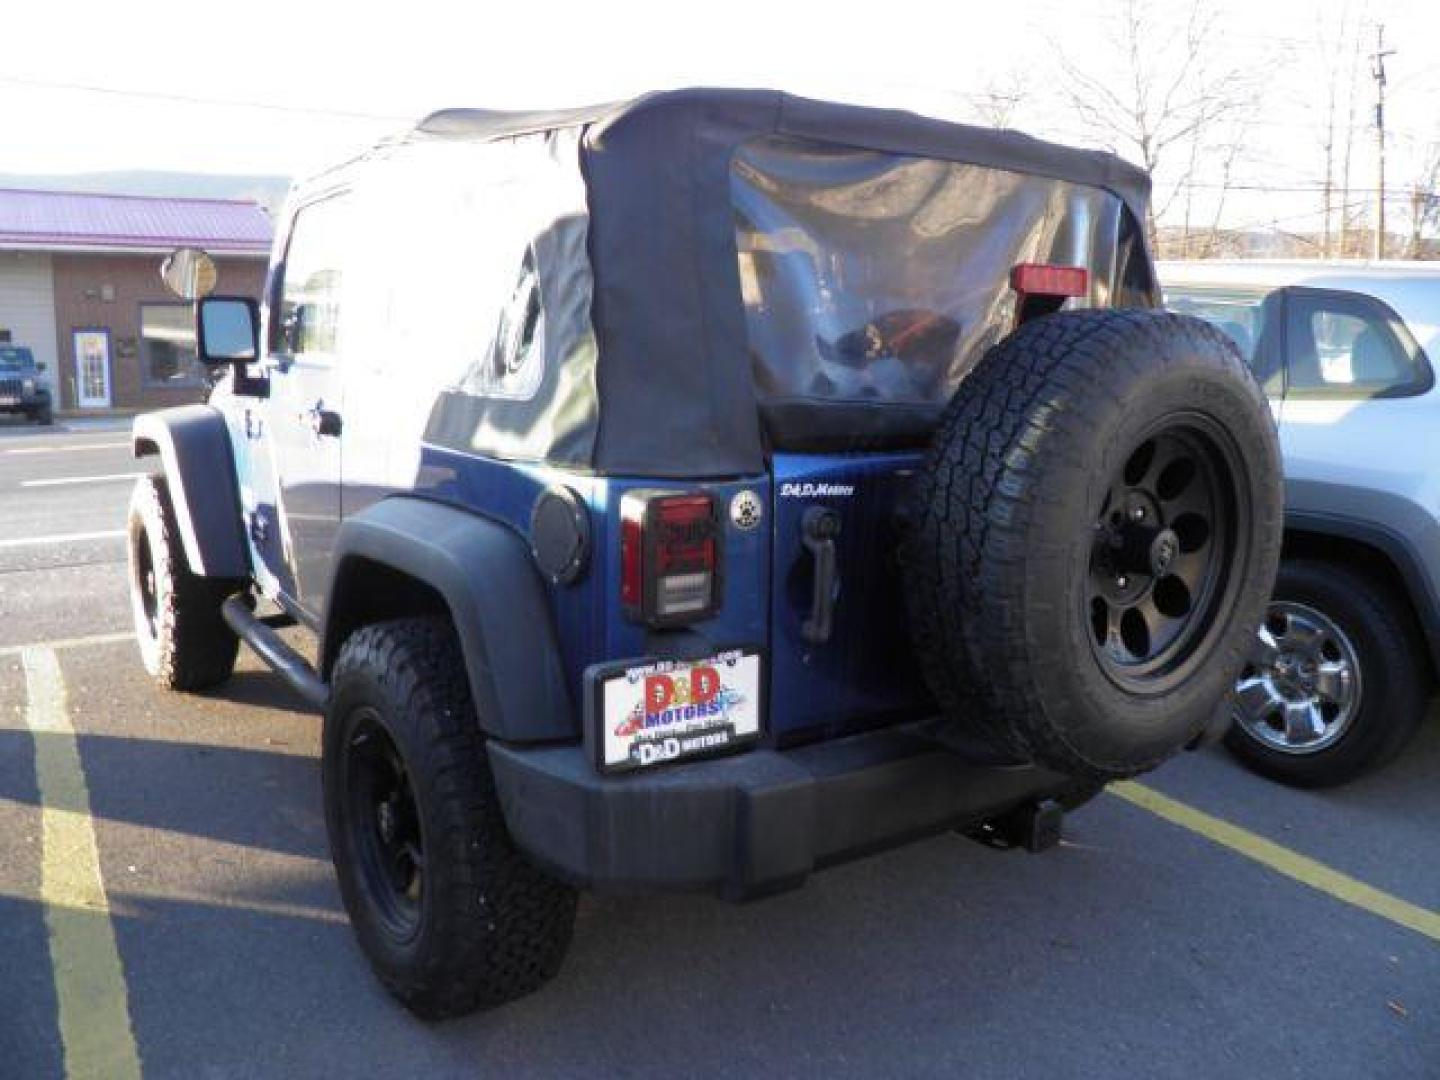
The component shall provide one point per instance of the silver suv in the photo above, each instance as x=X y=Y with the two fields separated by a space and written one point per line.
x=1347 y=657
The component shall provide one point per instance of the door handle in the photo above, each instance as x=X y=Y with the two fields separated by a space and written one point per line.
x=323 y=421
x=818 y=530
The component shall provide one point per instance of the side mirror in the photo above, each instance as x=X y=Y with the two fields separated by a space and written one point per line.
x=227 y=330
x=40 y=366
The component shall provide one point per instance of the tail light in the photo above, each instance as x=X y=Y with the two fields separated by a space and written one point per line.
x=1041 y=289
x=1042 y=279
x=669 y=557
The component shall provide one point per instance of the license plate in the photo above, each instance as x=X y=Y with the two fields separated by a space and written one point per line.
x=649 y=714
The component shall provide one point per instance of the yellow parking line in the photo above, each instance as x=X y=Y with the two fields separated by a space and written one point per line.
x=1282 y=860
x=89 y=980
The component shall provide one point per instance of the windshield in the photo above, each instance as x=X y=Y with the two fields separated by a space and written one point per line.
x=15 y=357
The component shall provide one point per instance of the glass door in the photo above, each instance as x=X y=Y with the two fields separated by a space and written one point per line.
x=92 y=369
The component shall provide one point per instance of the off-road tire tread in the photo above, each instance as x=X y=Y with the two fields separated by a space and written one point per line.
x=965 y=551
x=502 y=926
x=196 y=649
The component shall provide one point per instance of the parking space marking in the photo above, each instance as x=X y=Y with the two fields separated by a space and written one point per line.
x=67 y=449
x=61 y=538
x=90 y=990
x=1282 y=860
x=68 y=643
x=104 y=478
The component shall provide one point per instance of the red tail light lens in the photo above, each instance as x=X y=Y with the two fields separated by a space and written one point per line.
x=1042 y=279
x=669 y=557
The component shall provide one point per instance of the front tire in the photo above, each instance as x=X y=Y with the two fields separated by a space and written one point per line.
x=449 y=913
x=1338 y=686
x=184 y=642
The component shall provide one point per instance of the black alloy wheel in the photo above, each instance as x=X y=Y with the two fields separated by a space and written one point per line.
x=384 y=825
x=1091 y=541
x=1165 y=538
x=144 y=583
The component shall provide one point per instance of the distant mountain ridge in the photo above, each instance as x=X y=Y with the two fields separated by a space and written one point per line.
x=268 y=191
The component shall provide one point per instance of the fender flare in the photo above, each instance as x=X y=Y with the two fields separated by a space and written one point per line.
x=486 y=576
x=193 y=443
x=1405 y=539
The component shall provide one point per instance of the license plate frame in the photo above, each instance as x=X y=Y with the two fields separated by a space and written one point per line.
x=618 y=726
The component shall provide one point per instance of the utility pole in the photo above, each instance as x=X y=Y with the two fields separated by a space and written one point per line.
x=1377 y=72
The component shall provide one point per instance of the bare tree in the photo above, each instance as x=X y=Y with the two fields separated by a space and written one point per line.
x=1156 y=94
x=1003 y=95
x=1330 y=53
x=1424 y=201
x=1347 y=204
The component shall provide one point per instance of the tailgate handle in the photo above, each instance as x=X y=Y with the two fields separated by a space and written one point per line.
x=818 y=530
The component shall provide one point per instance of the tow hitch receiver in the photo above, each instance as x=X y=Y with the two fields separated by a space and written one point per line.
x=1034 y=826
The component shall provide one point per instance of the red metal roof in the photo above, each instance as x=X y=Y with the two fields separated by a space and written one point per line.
x=61 y=220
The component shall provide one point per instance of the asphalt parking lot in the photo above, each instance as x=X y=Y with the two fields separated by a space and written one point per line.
x=207 y=938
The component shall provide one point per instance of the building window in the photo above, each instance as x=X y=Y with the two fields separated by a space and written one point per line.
x=167 y=346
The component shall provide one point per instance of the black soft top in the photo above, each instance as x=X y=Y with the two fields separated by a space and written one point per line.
x=667 y=310
x=683 y=121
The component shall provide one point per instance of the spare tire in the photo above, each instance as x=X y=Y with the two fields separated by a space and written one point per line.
x=1092 y=541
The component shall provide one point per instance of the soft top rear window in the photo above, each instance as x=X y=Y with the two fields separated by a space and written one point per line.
x=873 y=282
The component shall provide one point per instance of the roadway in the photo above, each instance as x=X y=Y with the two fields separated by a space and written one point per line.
x=166 y=898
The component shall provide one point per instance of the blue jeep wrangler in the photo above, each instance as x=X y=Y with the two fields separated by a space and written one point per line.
x=693 y=492
x=22 y=390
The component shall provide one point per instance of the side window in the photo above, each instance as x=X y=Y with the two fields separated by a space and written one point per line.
x=1240 y=316
x=517 y=354
x=307 y=316
x=1343 y=344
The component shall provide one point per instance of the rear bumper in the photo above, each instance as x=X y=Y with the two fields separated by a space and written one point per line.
x=752 y=823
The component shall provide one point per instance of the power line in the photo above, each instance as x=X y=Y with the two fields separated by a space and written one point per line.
x=183 y=99
x=1283 y=189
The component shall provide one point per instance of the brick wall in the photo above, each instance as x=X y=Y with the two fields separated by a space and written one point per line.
x=104 y=292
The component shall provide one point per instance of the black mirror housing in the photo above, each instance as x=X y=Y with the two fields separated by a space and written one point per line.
x=227 y=330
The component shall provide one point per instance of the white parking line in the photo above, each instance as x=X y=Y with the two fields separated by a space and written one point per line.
x=68 y=643
x=105 y=479
x=66 y=449
x=61 y=538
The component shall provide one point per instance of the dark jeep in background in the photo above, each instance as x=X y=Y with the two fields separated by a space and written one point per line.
x=693 y=492
x=22 y=390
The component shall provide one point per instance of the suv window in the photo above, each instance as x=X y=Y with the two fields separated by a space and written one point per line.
x=309 y=310
x=1241 y=316
x=1343 y=344
x=517 y=355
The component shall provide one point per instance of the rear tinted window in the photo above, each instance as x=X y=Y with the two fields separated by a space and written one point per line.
x=879 y=278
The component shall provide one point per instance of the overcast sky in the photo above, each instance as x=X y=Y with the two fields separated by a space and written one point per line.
x=367 y=68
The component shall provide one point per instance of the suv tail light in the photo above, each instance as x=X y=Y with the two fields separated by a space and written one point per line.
x=1043 y=279
x=1042 y=289
x=669 y=557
